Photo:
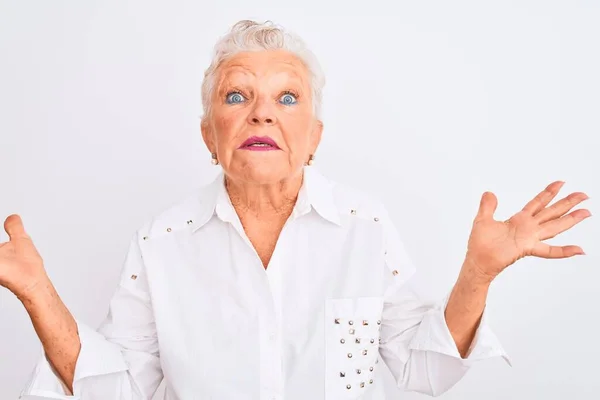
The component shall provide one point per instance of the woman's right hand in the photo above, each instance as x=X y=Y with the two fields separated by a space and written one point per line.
x=22 y=272
x=21 y=266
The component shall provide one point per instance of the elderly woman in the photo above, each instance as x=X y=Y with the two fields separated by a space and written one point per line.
x=274 y=282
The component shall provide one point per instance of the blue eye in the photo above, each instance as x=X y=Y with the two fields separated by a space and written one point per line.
x=288 y=99
x=235 y=98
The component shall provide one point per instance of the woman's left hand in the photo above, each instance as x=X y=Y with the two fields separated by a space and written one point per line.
x=494 y=245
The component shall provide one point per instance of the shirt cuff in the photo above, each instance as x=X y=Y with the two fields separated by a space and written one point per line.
x=96 y=357
x=434 y=335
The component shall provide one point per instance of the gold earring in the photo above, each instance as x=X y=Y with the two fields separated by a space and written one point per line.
x=311 y=160
x=214 y=160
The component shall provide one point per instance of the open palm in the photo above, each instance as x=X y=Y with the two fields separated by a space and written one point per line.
x=494 y=245
x=21 y=266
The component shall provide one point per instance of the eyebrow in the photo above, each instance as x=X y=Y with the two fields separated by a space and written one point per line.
x=227 y=83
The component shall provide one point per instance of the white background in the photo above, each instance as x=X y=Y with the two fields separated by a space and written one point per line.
x=428 y=104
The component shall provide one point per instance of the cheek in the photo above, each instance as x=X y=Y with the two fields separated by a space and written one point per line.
x=297 y=130
x=223 y=123
x=227 y=126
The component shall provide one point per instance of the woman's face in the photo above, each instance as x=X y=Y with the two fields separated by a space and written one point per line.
x=261 y=124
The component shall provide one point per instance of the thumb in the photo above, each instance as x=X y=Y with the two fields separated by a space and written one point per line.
x=487 y=206
x=14 y=227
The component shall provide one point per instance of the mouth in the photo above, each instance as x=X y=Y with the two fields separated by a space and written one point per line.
x=259 y=143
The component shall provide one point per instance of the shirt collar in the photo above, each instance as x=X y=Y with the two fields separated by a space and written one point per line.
x=316 y=193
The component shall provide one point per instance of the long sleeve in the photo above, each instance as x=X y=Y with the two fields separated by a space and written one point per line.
x=416 y=343
x=119 y=361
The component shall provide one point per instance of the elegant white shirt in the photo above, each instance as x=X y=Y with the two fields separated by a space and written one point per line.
x=335 y=306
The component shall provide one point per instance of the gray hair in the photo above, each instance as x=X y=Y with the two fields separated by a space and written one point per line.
x=249 y=35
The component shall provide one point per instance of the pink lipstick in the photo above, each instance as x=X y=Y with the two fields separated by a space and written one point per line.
x=255 y=143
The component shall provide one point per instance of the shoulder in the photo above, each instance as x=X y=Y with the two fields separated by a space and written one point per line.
x=369 y=209
x=357 y=202
x=183 y=213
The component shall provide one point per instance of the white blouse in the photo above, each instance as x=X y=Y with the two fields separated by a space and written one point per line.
x=196 y=307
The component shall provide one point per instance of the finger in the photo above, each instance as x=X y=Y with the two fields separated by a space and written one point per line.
x=487 y=206
x=544 y=250
x=552 y=228
x=561 y=207
x=13 y=225
x=540 y=201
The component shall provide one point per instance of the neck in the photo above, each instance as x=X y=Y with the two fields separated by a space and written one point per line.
x=276 y=198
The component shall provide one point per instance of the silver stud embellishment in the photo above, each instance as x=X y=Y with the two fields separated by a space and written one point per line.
x=342 y=341
x=371 y=369
x=350 y=322
x=362 y=384
x=358 y=371
x=395 y=272
x=353 y=212
x=357 y=341
x=378 y=322
x=337 y=320
x=376 y=219
x=372 y=341
x=364 y=352
x=365 y=322
x=168 y=229
x=348 y=387
x=134 y=277
x=189 y=221
x=145 y=237
x=351 y=331
x=370 y=380
x=349 y=355
x=342 y=374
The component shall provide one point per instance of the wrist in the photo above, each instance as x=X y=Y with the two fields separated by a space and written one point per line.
x=40 y=292
x=473 y=274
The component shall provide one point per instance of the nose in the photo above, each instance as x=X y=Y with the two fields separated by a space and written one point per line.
x=262 y=114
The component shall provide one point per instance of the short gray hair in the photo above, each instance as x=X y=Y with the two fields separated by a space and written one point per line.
x=249 y=35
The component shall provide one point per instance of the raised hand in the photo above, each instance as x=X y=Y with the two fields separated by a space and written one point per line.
x=21 y=267
x=494 y=245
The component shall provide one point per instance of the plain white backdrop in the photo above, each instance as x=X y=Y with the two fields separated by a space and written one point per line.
x=427 y=105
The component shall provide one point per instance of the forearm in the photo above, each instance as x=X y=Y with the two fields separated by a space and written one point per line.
x=56 y=328
x=465 y=307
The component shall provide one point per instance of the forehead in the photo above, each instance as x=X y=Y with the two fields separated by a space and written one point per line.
x=263 y=64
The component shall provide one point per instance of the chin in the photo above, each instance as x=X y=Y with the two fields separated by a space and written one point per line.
x=264 y=173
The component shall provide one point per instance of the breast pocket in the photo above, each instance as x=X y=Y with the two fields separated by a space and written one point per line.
x=352 y=327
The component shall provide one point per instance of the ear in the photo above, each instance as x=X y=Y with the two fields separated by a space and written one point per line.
x=315 y=137
x=207 y=134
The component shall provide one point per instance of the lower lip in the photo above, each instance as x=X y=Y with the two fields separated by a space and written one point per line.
x=259 y=148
